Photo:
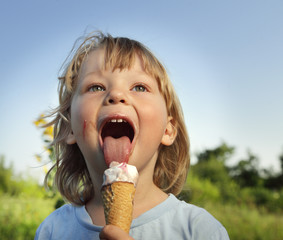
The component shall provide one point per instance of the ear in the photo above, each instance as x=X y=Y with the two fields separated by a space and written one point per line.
x=170 y=132
x=70 y=139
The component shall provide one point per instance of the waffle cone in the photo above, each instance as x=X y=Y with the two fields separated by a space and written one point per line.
x=118 y=204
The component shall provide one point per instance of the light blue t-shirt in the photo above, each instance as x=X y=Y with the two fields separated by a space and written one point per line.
x=172 y=219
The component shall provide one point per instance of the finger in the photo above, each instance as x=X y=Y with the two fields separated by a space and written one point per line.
x=111 y=232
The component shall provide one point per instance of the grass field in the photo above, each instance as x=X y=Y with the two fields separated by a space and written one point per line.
x=244 y=223
x=20 y=217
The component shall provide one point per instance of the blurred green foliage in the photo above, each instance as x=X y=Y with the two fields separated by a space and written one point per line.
x=24 y=204
x=248 y=201
x=20 y=216
x=243 y=183
x=13 y=185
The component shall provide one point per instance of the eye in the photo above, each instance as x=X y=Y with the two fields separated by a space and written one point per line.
x=139 y=88
x=96 y=88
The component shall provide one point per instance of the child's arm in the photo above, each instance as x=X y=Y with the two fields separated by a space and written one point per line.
x=111 y=232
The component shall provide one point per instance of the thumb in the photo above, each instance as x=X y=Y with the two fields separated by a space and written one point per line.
x=111 y=232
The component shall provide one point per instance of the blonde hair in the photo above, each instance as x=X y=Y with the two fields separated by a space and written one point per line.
x=72 y=177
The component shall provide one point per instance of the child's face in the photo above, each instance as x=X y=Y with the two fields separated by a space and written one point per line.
x=131 y=95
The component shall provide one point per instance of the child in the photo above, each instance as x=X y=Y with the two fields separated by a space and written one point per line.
x=119 y=80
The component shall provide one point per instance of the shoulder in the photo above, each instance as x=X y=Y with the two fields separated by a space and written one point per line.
x=61 y=214
x=59 y=217
x=179 y=220
x=193 y=213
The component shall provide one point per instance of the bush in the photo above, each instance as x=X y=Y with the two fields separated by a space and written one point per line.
x=240 y=217
x=213 y=170
x=21 y=216
x=13 y=185
x=215 y=173
x=263 y=198
x=245 y=223
x=199 y=191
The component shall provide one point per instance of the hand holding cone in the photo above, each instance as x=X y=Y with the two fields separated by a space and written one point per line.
x=118 y=204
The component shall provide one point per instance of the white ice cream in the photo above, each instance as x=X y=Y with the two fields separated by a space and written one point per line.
x=120 y=172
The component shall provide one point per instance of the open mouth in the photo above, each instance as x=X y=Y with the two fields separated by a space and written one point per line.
x=117 y=128
x=117 y=136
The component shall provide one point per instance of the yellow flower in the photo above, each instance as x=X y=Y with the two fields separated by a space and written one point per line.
x=40 y=121
x=47 y=149
x=38 y=157
x=45 y=169
x=48 y=131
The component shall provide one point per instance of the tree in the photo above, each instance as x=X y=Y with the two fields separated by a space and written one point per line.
x=9 y=182
x=281 y=162
x=5 y=176
x=275 y=181
x=246 y=172
x=211 y=166
x=211 y=163
x=221 y=154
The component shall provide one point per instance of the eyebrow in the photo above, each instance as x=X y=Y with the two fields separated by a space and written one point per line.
x=92 y=73
x=100 y=72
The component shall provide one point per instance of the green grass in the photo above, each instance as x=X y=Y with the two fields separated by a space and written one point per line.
x=20 y=216
x=246 y=223
x=237 y=210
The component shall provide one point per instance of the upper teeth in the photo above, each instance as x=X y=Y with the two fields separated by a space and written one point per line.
x=117 y=120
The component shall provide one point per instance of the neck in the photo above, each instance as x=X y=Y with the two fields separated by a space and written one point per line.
x=94 y=207
x=147 y=195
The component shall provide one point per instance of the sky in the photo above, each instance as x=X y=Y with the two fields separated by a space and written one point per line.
x=224 y=58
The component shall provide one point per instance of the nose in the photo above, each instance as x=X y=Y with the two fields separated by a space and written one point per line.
x=116 y=96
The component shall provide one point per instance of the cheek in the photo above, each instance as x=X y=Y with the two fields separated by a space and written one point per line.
x=156 y=110
x=79 y=119
x=83 y=120
x=154 y=117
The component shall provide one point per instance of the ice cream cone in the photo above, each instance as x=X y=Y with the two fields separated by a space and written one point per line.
x=118 y=204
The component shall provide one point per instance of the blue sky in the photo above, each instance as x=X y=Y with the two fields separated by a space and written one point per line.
x=224 y=58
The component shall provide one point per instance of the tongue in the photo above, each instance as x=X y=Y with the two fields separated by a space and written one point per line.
x=116 y=149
